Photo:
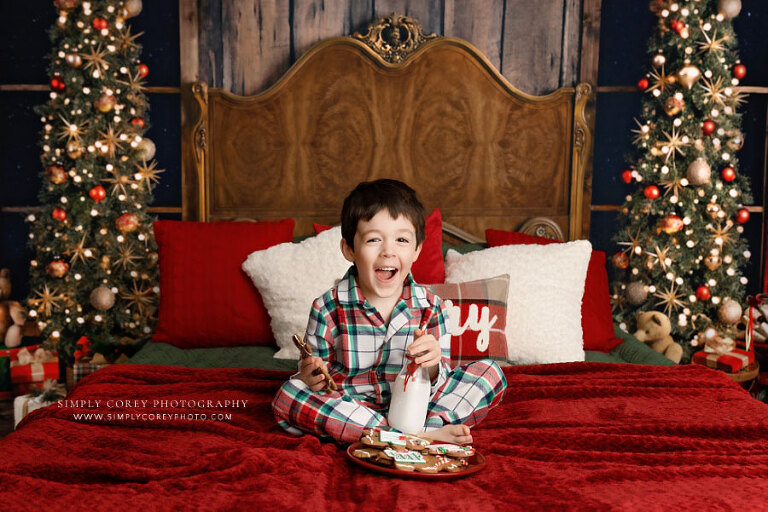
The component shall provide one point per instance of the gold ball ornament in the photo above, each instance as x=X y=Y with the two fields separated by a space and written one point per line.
x=699 y=172
x=688 y=75
x=658 y=60
x=104 y=263
x=132 y=8
x=74 y=150
x=102 y=298
x=673 y=106
x=127 y=222
x=670 y=224
x=637 y=293
x=73 y=60
x=56 y=174
x=152 y=258
x=736 y=141
x=713 y=261
x=729 y=312
x=729 y=8
x=105 y=103
x=146 y=149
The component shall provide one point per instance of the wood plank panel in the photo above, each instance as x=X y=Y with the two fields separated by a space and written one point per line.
x=429 y=13
x=569 y=69
x=210 y=42
x=480 y=23
x=532 y=53
x=315 y=20
x=189 y=59
x=256 y=44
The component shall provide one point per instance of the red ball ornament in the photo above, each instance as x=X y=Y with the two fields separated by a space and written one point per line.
x=57 y=268
x=57 y=84
x=127 y=222
x=97 y=193
x=56 y=174
x=642 y=84
x=742 y=216
x=651 y=192
x=137 y=122
x=99 y=23
x=703 y=293
x=59 y=214
x=626 y=176
x=728 y=173
x=739 y=71
x=620 y=260
x=708 y=127
x=143 y=70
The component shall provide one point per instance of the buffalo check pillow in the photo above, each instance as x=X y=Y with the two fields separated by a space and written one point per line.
x=477 y=318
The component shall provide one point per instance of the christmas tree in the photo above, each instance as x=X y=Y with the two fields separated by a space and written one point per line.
x=94 y=273
x=682 y=252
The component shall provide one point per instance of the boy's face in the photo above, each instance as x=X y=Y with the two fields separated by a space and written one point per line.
x=385 y=248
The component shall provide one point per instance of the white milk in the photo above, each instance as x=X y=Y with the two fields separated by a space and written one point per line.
x=408 y=408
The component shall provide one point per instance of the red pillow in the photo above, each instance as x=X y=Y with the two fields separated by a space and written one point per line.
x=430 y=267
x=206 y=300
x=475 y=308
x=596 y=317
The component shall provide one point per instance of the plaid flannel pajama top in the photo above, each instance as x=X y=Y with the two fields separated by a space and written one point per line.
x=365 y=355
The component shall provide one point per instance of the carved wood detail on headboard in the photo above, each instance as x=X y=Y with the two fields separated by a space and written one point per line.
x=443 y=120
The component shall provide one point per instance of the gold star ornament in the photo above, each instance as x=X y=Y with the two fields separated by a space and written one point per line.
x=148 y=174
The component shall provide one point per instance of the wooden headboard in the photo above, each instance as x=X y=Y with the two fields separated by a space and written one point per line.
x=428 y=110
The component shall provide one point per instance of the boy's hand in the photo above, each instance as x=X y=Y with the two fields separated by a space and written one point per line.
x=425 y=349
x=310 y=373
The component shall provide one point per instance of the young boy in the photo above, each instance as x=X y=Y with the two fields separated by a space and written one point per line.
x=375 y=317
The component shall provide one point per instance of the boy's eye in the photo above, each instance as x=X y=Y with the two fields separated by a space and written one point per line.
x=403 y=240
x=372 y=240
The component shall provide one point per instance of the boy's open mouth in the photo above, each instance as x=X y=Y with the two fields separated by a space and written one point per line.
x=385 y=273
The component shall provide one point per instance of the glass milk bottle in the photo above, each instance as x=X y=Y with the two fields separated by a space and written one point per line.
x=410 y=399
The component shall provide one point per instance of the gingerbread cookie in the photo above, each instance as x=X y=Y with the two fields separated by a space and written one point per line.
x=371 y=438
x=451 y=450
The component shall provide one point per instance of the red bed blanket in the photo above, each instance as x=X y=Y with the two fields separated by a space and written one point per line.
x=592 y=436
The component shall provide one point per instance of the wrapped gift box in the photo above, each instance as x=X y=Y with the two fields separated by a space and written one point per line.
x=30 y=369
x=6 y=356
x=731 y=362
x=80 y=369
x=24 y=404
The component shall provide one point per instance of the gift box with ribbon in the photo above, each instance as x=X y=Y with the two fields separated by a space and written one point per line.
x=732 y=361
x=52 y=392
x=30 y=369
x=6 y=356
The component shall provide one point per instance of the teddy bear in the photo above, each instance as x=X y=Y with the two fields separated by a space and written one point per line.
x=654 y=328
x=12 y=313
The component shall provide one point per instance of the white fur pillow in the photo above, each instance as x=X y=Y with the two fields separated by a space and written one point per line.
x=290 y=277
x=545 y=289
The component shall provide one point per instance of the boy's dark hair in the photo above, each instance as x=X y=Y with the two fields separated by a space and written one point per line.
x=370 y=197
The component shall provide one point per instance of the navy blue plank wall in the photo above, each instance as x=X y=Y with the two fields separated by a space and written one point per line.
x=24 y=26
x=625 y=29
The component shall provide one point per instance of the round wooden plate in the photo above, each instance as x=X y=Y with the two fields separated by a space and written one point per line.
x=476 y=463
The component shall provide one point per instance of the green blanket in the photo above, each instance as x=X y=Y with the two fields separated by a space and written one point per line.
x=630 y=351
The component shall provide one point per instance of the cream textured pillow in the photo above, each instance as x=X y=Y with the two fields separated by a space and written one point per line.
x=290 y=277
x=544 y=303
